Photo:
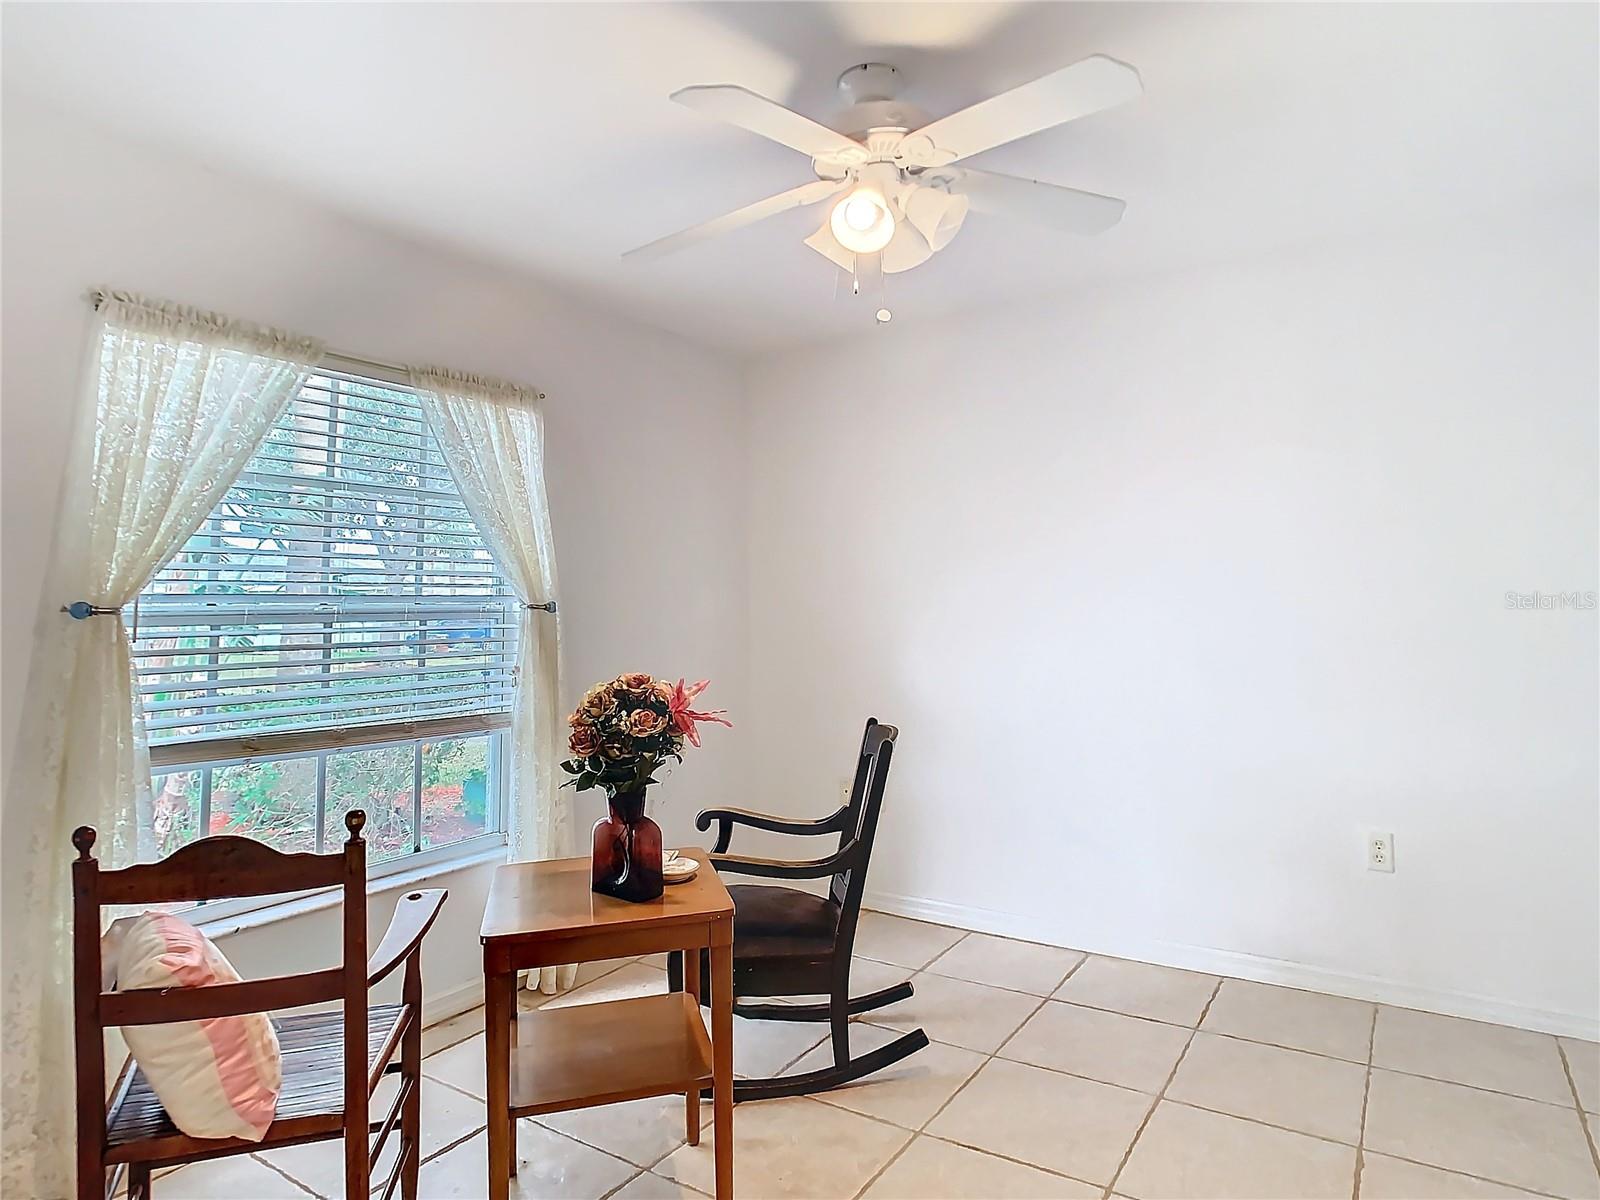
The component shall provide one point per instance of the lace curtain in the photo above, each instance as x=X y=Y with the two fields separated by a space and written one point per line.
x=493 y=438
x=175 y=403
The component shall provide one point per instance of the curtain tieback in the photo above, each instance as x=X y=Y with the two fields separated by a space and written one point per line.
x=548 y=606
x=82 y=610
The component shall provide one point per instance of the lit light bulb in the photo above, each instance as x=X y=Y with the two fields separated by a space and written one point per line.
x=884 y=316
x=862 y=222
x=860 y=213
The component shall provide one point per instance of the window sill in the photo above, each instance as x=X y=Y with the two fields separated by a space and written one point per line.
x=309 y=902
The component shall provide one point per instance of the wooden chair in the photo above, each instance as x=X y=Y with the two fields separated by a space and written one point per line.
x=332 y=1061
x=788 y=942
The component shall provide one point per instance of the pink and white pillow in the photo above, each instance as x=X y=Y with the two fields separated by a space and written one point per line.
x=217 y=1077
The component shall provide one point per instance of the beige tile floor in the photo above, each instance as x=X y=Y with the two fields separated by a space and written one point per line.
x=1051 y=1074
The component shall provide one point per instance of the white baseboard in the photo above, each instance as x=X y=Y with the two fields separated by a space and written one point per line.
x=1238 y=965
x=451 y=1003
x=441 y=1006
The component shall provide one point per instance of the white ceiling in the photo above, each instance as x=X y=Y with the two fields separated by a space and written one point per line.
x=540 y=135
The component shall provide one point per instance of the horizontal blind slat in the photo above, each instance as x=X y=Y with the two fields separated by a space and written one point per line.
x=476 y=683
x=340 y=581
x=273 y=719
x=383 y=608
x=278 y=483
x=435 y=644
x=349 y=654
x=163 y=684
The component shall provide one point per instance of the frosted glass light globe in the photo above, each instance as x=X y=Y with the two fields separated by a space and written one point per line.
x=862 y=222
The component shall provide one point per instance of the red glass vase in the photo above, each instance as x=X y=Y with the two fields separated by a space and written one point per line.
x=627 y=850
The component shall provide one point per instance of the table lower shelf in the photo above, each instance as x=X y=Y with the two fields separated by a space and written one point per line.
x=590 y=1054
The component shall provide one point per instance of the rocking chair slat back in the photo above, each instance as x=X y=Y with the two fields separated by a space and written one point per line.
x=861 y=826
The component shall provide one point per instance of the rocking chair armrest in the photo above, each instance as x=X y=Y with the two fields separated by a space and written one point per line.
x=727 y=818
x=777 y=868
x=412 y=919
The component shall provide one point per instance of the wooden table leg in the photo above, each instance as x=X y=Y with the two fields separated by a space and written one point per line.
x=691 y=1098
x=499 y=1009
x=511 y=1042
x=721 y=1067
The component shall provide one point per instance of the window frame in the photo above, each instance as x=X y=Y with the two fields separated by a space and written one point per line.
x=278 y=745
x=440 y=857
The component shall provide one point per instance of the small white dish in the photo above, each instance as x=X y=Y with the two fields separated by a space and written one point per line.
x=677 y=868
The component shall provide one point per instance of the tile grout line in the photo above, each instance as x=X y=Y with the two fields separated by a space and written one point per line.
x=1471 y=1087
x=651 y=1169
x=1366 y=1096
x=1500 y=1183
x=1577 y=1101
x=1011 y=1037
x=959 y=1090
x=965 y=934
x=991 y=1056
x=921 y=1130
x=1194 y=1030
x=988 y=1058
x=1083 y=955
x=638 y=1173
x=879 y=1173
x=1156 y=1103
x=1004 y=1157
x=1231 y=1037
x=280 y=1171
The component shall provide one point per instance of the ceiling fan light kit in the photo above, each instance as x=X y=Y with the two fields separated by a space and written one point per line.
x=898 y=195
x=862 y=222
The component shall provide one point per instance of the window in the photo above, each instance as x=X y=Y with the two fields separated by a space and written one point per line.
x=335 y=635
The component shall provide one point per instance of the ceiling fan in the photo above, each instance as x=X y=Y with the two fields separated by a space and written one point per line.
x=901 y=195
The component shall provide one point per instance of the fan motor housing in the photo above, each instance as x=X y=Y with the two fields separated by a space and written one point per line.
x=873 y=90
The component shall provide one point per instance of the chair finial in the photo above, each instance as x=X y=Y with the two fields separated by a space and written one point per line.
x=83 y=838
x=355 y=820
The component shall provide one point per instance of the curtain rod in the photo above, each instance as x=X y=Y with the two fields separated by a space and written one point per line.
x=396 y=372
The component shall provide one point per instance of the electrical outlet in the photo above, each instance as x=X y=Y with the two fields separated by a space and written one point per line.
x=1380 y=851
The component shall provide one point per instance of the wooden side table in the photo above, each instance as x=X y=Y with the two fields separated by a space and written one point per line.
x=543 y=915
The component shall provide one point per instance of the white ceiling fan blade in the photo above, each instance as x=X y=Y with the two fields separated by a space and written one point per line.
x=806 y=193
x=1076 y=91
x=744 y=108
x=1044 y=204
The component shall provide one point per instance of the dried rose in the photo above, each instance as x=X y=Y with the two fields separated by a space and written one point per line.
x=584 y=741
x=597 y=702
x=646 y=722
x=635 y=683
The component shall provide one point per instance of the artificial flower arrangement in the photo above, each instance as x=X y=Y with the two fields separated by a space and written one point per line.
x=621 y=732
x=624 y=729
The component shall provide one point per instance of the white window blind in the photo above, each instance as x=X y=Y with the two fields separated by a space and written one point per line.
x=340 y=586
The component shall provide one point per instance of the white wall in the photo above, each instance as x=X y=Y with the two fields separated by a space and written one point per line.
x=1176 y=588
x=642 y=427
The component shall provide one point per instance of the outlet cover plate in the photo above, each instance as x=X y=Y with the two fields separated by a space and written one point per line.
x=1380 y=851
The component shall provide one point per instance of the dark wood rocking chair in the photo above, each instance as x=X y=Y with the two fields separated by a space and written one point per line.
x=788 y=942
x=332 y=1061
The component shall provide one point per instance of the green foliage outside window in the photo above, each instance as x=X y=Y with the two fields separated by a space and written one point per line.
x=276 y=801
